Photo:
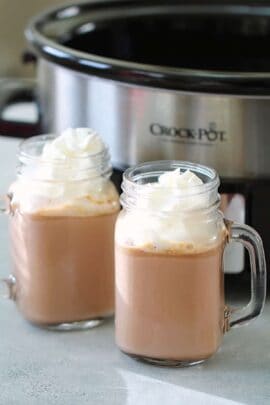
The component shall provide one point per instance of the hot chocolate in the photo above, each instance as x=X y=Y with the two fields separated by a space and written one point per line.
x=64 y=209
x=63 y=266
x=169 y=273
x=169 y=305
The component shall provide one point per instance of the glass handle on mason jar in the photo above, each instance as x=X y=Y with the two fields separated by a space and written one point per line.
x=8 y=284
x=252 y=241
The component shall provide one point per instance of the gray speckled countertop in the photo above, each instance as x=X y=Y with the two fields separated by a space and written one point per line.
x=68 y=368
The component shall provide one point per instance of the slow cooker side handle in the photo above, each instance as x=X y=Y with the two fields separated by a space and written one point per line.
x=14 y=91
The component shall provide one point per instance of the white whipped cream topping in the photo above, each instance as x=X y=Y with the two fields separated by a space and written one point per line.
x=174 y=191
x=66 y=175
x=163 y=219
x=73 y=143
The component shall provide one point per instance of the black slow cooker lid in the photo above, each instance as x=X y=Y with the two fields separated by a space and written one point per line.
x=215 y=48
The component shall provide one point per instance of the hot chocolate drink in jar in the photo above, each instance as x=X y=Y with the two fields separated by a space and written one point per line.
x=170 y=239
x=62 y=209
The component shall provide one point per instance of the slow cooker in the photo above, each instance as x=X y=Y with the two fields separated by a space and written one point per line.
x=166 y=80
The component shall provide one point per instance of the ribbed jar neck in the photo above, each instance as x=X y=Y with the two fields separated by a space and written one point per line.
x=34 y=166
x=135 y=193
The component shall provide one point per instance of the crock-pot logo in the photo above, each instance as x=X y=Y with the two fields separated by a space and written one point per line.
x=209 y=135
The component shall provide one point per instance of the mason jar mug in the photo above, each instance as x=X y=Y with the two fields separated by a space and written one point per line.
x=169 y=244
x=62 y=211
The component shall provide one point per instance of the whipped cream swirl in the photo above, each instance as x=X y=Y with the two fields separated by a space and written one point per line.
x=170 y=214
x=70 y=173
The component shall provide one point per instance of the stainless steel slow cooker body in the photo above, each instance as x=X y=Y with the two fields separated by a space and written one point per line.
x=211 y=109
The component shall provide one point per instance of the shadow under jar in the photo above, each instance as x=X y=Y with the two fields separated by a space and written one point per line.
x=170 y=307
x=61 y=235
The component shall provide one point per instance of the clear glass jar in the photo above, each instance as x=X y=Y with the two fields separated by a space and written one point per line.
x=170 y=306
x=62 y=219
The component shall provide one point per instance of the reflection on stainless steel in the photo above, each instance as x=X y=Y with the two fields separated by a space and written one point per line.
x=139 y=124
x=233 y=207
